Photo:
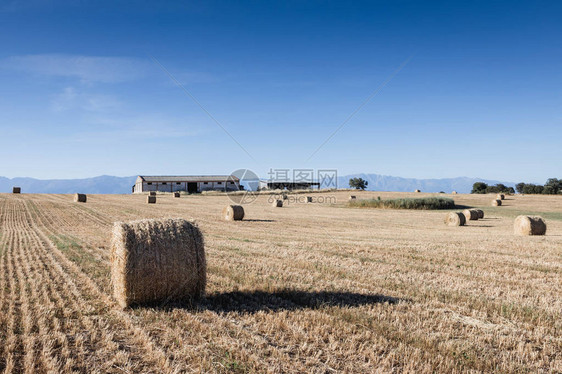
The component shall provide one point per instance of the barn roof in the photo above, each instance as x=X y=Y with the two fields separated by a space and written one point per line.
x=188 y=178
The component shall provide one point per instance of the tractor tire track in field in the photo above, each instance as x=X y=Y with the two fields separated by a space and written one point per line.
x=51 y=324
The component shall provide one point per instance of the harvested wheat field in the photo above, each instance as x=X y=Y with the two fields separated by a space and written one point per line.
x=317 y=287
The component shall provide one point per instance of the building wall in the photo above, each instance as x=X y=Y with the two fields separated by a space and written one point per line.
x=173 y=186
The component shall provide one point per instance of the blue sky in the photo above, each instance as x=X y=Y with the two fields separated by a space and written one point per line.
x=480 y=94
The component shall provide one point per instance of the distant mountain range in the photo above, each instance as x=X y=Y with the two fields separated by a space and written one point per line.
x=106 y=184
x=103 y=184
x=388 y=183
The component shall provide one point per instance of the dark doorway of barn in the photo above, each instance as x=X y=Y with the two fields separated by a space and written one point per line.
x=192 y=187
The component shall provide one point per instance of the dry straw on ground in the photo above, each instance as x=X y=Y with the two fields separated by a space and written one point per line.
x=157 y=261
x=529 y=225
x=277 y=204
x=16 y=190
x=455 y=219
x=80 y=198
x=177 y=194
x=151 y=199
x=470 y=214
x=496 y=202
x=480 y=213
x=233 y=212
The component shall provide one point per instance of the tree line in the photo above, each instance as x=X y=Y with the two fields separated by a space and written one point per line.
x=552 y=186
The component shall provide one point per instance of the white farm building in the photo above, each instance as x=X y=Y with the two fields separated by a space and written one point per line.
x=188 y=183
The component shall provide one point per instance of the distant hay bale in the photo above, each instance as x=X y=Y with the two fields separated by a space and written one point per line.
x=529 y=225
x=500 y=196
x=16 y=190
x=152 y=193
x=277 y=204
x=352 y=198
x=157 y=261
x=480 y=213
x=309 y=199
x=80 y=198
x=496 y=202
x=151 y=199
x=455 y=219
x=285 y=196
x=454 y=192
x=177 y=194
x=417 y=191
x=470 y=214
x=233 y=212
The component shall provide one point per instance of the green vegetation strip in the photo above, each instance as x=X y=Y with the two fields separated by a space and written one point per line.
x=428 y=203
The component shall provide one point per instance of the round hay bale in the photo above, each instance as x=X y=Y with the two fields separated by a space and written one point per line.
x=16 y=190
x=454 y=192
x=285 y=196
x=417 y=191
x=470 y=214
x=80 y=198
x=177 y=194
x=157 y=261
x=529 y=225
x=277 y=204
x=496 y=202
x=233 y=213
x=455 y=219
x=500 y=196
x=480 y=213
x=352 y=198
x=152 y=193
x=309 y=199
x=151 y=199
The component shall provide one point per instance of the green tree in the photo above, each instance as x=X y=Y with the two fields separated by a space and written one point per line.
x=554 y=186
x=358 y=183
x=479 y=187
x=519 y=187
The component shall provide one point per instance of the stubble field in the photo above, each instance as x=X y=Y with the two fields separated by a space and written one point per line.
x=304 y=288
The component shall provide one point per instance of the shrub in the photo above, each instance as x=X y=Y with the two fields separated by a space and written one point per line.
x=428 y=203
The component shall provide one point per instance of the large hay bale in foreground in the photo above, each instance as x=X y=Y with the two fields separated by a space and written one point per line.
x=233 y=212
x=277 y=204
x=496 y=202
x=80 y=198
x=177 y=194
x=480 y=213
x=151 y=199
x=470 y=214
x=152 y=193
x=455 y=219
x=16 y=190
x=529 y=225
x=157 y=261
